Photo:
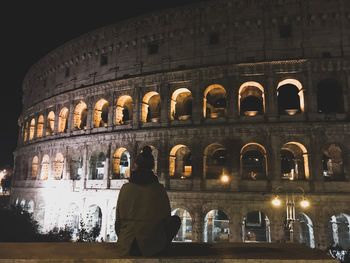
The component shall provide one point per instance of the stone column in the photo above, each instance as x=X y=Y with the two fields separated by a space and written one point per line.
x=232 y=99
x=90 y=113
x=85 y=169
x=236 y=228
x=136 y=106
x=57 y=117
x=271 y=98
x=277 y=225
x=197 y=165
x=197 y=225
x=163 y=166
x=70 y=117
x=197 y=100
x=165 y=104
x=274 y=162
x=111 y=111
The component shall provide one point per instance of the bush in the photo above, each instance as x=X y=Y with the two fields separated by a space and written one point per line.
x=88 y=236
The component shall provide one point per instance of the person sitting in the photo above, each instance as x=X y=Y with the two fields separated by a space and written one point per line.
x=144 y=224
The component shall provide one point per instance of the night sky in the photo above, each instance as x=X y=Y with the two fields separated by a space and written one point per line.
x=31 y=29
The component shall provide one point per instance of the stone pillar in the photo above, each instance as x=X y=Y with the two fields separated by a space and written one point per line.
x=111 y=111
x=236 y=228
x=90 y=113
x=165 y=104
x=197 y=102
x=66 y=173
x=57 y=117
x=163 y=166
x=271 y=98
x=85 y=169
x=197 y=225
x=70 y=117
x=274 y=161
x=45 y=125
x=310 y=95
x=277 y=225
x=232 y=99
x=136 y=106
x=197 y=165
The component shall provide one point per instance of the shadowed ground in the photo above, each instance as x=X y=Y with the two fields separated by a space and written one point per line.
x=179 y=252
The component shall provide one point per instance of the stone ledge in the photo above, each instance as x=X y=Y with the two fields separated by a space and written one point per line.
x=179 y=252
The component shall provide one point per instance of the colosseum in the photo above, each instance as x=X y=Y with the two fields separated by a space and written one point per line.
x=243 y=102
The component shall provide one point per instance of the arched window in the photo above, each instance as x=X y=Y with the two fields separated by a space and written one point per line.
x=216 y=227
x=94 y=218
x=121 y=164
x=304 y=230
x=76 y=167
x=40 y=127
x=50 y=123
x=124 y=110
x=185 y=232
x=339 y=226
x=97 y=166
x=214 y=161
x=332 y=163
x=35 y=167
x=45 y=167
x=32 y=129
x=181 y=105
x=214 y=102
x=251 y=99
x=58 y=166
x=150 y=109
x=294 y=161
x=256 y=227
x=63 y=120
x=101 y=113
x=180 y=163
x=290 y=97
x=253 y=162
x=329 y=97
x=80 y=116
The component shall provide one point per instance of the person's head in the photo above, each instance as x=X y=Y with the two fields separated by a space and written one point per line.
x=145 y=159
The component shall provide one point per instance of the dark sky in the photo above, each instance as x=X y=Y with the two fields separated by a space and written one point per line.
x=30 y=29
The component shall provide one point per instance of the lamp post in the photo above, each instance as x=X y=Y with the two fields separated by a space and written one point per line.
x=290 y=208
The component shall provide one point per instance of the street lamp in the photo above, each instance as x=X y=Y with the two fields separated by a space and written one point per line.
x=290 y=208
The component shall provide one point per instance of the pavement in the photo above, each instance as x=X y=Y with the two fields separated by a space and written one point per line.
x=179 y=252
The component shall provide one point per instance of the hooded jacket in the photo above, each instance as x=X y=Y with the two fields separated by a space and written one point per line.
x=142 y=207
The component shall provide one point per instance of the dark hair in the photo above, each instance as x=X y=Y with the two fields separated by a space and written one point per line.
x=145 y=159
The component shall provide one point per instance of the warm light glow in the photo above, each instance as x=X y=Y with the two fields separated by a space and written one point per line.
x=224 y=178
x=276 y=201
x=304 y=203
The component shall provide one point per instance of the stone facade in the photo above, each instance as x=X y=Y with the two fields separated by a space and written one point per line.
x=205 y=86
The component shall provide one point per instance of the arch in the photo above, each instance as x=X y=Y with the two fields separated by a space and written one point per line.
x=251 y=99
x=181 y=104
x=93 y=218
x=35 y=167
x=32 y=129
x=80 y=116
x=253 y=161
x=63 y=120
x=97 y=166
x=50 y=123
x=332 y=163
x=45 y=167
x=185 y=232
x=216 y=227
x=58 y=166
x=256 y=227
x=290 y=97
x=101 y=113
x=150 y=108
x=124 y=110
x=214 y=102
x=40 y=127
x=121 y=163
x=339 y=230
x=294 y=161
x=304 y=229
x=180 y=163
x=330 y=97
x=76 y=167
x=214 y=161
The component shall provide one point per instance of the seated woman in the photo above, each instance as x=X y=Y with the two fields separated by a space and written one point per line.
x=144 y=224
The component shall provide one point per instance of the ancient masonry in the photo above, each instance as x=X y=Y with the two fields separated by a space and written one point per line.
x=241 y=101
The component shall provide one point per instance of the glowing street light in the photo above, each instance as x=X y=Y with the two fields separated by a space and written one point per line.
x=276 y=201
x=225 y=178
x=304 y=203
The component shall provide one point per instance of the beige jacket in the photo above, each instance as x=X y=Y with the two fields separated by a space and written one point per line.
x=140 y=215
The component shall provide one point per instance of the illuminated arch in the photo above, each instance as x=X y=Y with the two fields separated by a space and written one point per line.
x=124 y=110
x=185 y=232
x=339 y=226
x=101 y=113
x=181 y=104
x=294 y=161
x=216 y=227
x=290 y=100
x=40 y=127
x=256 y=227
x=214 y=101
x=93 y=218
x=35 y=167
x=214 y=161
x=80 y=116
x=150 y=108
x=304 y=230
x=63 y=120
x=253 y=161
x=251 y=99
x=32 y=129
x=97 y=166
x=50 y=123
x=58 y=166
x=45 y=167
x=121 y=163
x=180 y=164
